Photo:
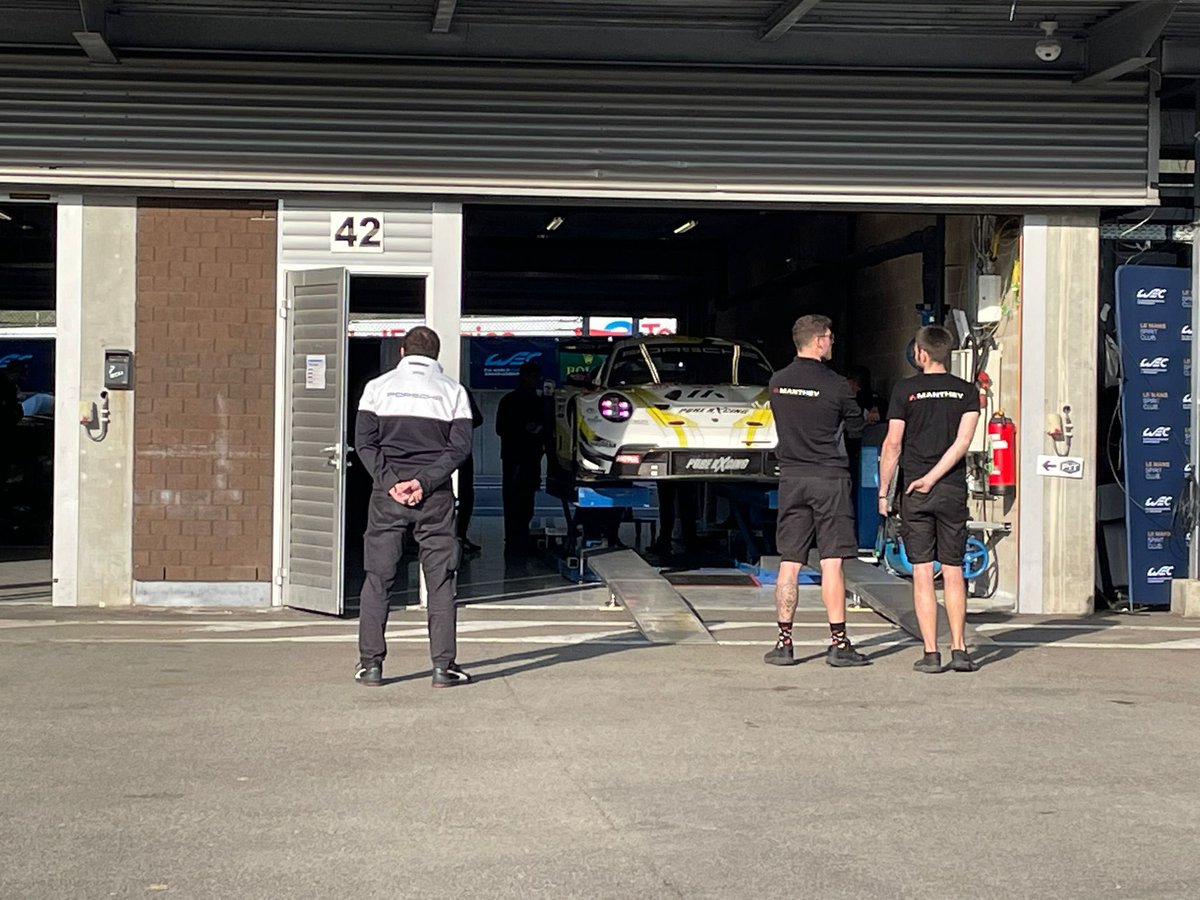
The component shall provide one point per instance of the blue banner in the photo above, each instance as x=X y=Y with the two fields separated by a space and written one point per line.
x=1154 y=325
x=496 y=360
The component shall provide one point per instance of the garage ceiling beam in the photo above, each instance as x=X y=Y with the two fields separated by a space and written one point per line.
x=95 y=15
x=443 y=16
x=785 y=17
x=1119 y=44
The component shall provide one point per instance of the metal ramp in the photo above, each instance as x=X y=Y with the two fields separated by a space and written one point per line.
x=658 y=610
x=891 y=597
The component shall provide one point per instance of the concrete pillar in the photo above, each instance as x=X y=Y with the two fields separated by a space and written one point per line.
x=443 y=299
x=1059 y=331
x=102 y=479
x=1185 y=592
x=67 y=433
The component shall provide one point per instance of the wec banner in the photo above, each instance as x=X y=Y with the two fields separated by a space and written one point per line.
x=496 y=360
x=1154 y=325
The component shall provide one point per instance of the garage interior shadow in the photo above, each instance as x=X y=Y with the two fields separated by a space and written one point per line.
x=734 y=273
x=27 y=391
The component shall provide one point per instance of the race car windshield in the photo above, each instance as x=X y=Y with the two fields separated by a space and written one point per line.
x=689 y=364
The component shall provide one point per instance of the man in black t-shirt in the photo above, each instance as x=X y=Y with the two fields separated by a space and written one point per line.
x=813 y=410
x=932 y=417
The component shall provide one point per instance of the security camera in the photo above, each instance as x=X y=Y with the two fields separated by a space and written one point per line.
x=1048 y=49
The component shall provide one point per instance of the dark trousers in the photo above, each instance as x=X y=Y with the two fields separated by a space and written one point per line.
x=681 y=495
x=466 y=495
x=383 y=544
x=521 y=479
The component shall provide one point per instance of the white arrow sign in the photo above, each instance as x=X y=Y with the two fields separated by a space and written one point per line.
x=1060 y=466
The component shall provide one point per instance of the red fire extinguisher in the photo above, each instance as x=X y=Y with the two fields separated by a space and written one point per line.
x=1002 y=438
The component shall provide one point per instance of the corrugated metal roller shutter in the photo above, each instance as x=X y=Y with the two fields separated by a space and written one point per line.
x=555 y=130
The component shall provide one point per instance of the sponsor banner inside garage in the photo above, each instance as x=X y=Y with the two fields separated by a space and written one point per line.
x=1154 y=326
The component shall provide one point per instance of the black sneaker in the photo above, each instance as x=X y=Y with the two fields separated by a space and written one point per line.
x=843 y=655
x=930 y=664
x=451 y=676
x=960 y=661
x=781 y=655
x=370 y=674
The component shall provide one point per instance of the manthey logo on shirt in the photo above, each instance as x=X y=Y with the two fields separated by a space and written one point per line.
x=1154 y=365
x=1151 y=296
x=935 y=395
x=795 y=392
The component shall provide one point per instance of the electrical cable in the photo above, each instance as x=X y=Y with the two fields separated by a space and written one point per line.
x=1133 y=228
x=1187 y=506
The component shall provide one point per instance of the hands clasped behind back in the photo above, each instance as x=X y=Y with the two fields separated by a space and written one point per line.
x=408 y=493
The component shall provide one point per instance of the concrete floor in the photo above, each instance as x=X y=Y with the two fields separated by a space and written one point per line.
x=210 y=754
x=26 y=580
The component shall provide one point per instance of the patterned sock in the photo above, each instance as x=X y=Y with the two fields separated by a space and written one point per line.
x=785 y=633
x=837 y=633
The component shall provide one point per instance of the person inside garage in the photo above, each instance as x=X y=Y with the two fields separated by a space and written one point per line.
x=523 y=424
x=683 y=498
x=466 y=484
x=413 y=430
x=11 y=413
x=859 y=380
x=814 y=409
x=932 y=419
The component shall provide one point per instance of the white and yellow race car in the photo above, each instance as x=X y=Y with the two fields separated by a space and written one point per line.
x=669 y=408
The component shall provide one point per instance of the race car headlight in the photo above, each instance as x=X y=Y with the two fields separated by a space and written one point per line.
x=616 y=408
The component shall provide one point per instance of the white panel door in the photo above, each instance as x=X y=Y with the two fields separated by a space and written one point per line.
x=316 y=411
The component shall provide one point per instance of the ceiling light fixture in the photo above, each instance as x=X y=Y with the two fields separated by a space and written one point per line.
x=553 y=224
x=687 y=226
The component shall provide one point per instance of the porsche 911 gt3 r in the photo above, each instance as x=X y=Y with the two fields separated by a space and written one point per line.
x=670 y=408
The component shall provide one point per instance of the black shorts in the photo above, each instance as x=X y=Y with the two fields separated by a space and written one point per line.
x=934 y=525
x=815 y=509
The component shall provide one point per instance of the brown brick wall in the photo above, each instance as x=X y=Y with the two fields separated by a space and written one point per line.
x=204 y=398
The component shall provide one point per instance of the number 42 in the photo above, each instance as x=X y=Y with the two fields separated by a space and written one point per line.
x=368 y=240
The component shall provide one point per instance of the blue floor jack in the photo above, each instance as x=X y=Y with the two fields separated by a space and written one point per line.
x=889 y=547
x=593 y=514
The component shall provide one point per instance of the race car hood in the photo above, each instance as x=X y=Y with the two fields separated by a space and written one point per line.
x=721 y=397
x=708 y=415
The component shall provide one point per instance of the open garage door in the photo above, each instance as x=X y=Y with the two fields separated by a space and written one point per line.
x=314 y=489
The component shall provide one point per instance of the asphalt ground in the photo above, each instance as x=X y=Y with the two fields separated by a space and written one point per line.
x=230 y=754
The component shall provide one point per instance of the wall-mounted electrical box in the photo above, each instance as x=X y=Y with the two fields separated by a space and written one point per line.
x=118 y=370
x=987 y=310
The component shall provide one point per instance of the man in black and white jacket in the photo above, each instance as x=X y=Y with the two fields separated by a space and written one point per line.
x=413 y=430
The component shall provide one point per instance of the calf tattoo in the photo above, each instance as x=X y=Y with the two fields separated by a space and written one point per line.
x=786 y=597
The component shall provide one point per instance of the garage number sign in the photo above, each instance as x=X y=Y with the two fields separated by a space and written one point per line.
x=356 y=232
